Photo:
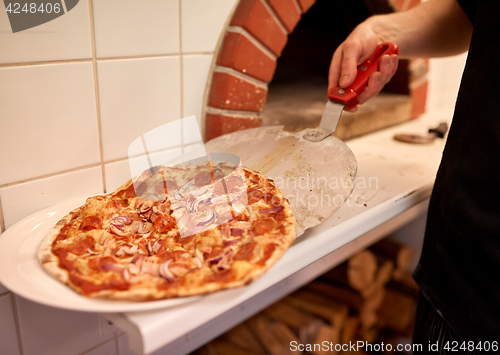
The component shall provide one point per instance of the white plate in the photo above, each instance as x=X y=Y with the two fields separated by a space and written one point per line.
x=22 y=274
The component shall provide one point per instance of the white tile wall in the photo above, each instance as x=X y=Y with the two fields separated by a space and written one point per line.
x=208 y=15
x=66 y=37
x=128 y=27
x=9 y=343
x=3 y=289
x=136 y=96
x=109 y=348
x=195 y=70
x=47 y=330
x=444 y=81
x=118 y=173
x=49 y=120
x=21 y=200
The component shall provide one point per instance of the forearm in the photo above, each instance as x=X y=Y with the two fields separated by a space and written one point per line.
x=436 y=28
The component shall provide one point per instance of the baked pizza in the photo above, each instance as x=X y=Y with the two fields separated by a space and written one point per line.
x=172 y=232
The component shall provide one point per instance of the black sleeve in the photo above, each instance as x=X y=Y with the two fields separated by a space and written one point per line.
x=470 y=8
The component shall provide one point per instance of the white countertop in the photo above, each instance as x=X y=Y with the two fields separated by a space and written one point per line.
x=393 y=183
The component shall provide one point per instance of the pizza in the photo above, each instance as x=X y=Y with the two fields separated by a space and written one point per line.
x=172 y=232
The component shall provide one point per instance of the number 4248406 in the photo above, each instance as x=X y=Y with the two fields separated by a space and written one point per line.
x=15 y=8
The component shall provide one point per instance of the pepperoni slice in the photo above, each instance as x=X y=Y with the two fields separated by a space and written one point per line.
x=86 y=286
x=233 y=183
x=165 y=186
x=268 y=251
x=219 y=188
x=203 y=178
x=263 y=226
x=91 y=222
x=80 y=247
x=224 y=276
x=254 y=196
x=163 y=223
x=136 y=189
x=246 y=252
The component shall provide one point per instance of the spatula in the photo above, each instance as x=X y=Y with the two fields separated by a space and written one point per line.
x=314 y=170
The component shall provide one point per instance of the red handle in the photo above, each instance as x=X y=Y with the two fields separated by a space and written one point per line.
x=349 y=96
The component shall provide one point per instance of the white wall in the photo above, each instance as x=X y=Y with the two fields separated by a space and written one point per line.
x=74 y=93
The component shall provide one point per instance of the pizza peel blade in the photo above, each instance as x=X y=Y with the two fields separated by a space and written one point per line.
x=315 y=177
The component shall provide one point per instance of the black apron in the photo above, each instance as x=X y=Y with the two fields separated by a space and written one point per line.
x=459 y=270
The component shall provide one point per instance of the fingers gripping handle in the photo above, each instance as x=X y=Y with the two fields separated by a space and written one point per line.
x=349 y=96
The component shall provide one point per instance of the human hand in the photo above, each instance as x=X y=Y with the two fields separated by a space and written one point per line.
x=356 y=49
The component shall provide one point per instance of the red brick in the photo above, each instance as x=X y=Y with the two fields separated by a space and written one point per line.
x=419 y=98
x=231 y=92
x=419 y=69
x=254 y=17
x=287 y=12
x=305 y=5
x=217 y=125
x=239 y=53
x=412 y=3
x=398 y=4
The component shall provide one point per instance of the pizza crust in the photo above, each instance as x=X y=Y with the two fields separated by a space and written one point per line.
x=242 y=271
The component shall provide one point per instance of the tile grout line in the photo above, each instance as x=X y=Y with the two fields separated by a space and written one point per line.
x=117 y=344
x=181 y=76
x=96 y=92
x=18 y=323
x=78 y=169
x=86 y=60
x=275 y=16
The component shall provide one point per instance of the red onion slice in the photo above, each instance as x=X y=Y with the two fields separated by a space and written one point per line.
x=165 y=272
x=121 y=220
x=118 y=232
x=231 y=242
x=198 y=191
x=207 y=217
x=145 y=227
x=237 y=232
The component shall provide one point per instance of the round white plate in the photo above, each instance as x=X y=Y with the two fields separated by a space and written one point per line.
x=21 y=272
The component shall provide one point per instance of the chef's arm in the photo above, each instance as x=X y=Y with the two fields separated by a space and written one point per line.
x=436 y=28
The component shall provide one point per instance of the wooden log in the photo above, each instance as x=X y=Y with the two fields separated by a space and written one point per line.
x=369 y=335
x=328 y=335
x=350 y=329
x=308 y=333
x=358 y=272
x=397 y=311
x=399 y=253
x=368 y=319
x=348 y=296
x=402 y=281
x=221 y=347
x=385 y=269
x=244 y=338
x=260 y=325
x=330 y=310
x=291 y=316
x=286 y=336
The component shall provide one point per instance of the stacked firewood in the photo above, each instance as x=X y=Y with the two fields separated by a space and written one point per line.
x=369 y=298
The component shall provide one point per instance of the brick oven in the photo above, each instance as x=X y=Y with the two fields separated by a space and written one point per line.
x=262 y=75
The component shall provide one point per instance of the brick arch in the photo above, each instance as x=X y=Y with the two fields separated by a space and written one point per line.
x=246 y=60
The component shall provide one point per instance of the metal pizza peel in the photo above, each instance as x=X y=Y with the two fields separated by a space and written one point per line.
x=313 y=169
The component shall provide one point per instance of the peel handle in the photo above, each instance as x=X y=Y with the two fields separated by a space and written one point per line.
x=349 y=95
